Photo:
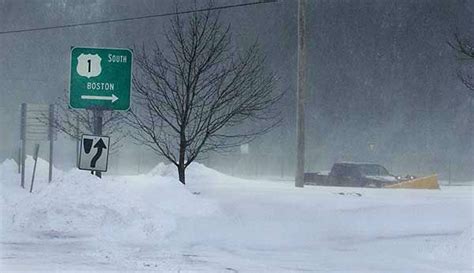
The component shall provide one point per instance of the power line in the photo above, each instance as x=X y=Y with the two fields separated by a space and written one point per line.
x=136 y=18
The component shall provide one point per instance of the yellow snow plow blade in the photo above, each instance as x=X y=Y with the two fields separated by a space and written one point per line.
x=427 y=182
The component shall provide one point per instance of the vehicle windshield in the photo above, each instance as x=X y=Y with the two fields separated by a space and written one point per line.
x=373 y=170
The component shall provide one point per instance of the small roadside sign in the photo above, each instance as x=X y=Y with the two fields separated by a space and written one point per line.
x=94 y=155
x=100 y=78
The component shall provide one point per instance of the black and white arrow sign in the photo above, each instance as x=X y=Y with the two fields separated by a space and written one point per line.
x=94 y=153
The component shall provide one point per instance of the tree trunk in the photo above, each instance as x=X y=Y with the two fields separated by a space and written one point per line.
x=181 y=173
x=181 y=166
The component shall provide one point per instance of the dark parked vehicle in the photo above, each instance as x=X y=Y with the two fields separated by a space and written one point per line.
x=354 y=175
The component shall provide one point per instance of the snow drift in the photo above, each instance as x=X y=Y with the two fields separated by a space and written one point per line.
x=218 y=223
x=76 y=204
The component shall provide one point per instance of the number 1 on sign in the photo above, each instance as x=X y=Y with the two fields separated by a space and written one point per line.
x=89 y=61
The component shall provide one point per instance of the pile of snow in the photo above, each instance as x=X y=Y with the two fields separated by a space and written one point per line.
x=196 y=174
x=219 y=223
x=76 y=204
x=163 y=169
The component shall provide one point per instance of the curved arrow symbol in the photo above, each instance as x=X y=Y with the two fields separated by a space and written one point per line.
x=99 y=145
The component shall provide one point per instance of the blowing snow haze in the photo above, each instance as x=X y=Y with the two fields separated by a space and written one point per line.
x=381 y=79
x=170 y=143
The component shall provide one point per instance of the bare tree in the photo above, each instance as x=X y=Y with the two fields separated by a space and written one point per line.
x=196 y=94
x=465 y=51
x=76 y=122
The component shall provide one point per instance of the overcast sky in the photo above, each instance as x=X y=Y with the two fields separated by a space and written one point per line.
x=378 y=70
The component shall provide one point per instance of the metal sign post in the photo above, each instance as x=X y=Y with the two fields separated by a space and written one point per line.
x=98 y=114
x=19 y=160
x=35 y=157
x=78 y=141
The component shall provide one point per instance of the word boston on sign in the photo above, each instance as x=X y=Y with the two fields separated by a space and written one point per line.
x=100 y=78
x=94 y=154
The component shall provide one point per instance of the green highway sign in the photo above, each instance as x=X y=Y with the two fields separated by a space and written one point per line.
x=100 y=78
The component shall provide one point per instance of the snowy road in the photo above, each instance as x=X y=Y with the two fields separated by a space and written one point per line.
x=247 y=226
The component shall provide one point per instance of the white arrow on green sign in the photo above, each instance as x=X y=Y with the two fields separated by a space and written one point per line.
x=112 y=98
x=100 y=78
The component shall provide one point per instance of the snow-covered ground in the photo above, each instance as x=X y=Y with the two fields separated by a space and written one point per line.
x=218 y=223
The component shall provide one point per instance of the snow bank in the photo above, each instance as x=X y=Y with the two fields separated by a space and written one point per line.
x=76 y=204
x=196 y=174
x=217 y=223
x=162 y=169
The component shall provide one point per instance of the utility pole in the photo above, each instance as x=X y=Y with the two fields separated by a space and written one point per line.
x=51 y=141
x=23 y=143
x=299 y=179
